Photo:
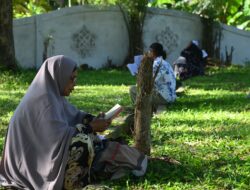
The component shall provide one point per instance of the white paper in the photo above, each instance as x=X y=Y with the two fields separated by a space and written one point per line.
x=133 y=67
x=101 y=137
x=113 y=112
x=137 y=59
x=204 y=53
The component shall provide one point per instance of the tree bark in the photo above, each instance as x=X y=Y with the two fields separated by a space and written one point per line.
x=134 y=13
x=207 y=36
x=143 y=109
x=7 y=51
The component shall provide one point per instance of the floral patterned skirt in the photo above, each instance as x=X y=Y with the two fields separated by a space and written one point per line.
x=79 y=162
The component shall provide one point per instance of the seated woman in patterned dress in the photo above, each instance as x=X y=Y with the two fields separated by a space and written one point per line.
x=165 y=82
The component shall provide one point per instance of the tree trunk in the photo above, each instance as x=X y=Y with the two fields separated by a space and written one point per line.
x=208 y=36
x=7 y=51
x=143 y=109
x=134 y=23
x=135 y=35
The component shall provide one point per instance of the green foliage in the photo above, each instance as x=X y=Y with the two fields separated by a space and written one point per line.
x=207 y=129
x=134 y=7
x=101 y=2
x=233 y=12
x=242 y=17
x=26 y=8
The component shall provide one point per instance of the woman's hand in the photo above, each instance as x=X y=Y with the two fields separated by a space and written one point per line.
x=99 y=124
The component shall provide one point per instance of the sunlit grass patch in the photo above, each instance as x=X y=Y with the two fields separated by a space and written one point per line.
x=105 y=96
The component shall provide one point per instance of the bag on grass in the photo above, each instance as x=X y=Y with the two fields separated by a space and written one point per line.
x=116 y=160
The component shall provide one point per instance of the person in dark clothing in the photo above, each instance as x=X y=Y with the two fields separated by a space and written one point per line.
x=191 y=62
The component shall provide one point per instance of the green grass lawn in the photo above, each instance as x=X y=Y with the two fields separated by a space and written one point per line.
x=207 y=130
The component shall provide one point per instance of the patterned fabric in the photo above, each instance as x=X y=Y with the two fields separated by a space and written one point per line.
x=165 y=82
x=81 y=155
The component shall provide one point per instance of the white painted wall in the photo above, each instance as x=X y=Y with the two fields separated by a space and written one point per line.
x=106 y=26
x=183 y=27
x=24 y=40
x=239 y=40
x=107 y=36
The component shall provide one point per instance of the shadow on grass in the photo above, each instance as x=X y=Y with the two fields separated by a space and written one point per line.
x=8 y=104
x=229 y=79
x=226 y=102
x=162 y=173
x=17 y=78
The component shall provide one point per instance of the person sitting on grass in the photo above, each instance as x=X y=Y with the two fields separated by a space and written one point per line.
x=165 y=82
x=191 y=61
x=50 y=144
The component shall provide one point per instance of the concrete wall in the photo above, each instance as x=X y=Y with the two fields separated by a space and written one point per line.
x=86 y=34
x=239 y=40
x=25 y=41
x=173 y=29
x=92 y=35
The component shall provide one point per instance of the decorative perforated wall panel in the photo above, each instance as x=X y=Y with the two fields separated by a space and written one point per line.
x=168 y=39
x=83 y=42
